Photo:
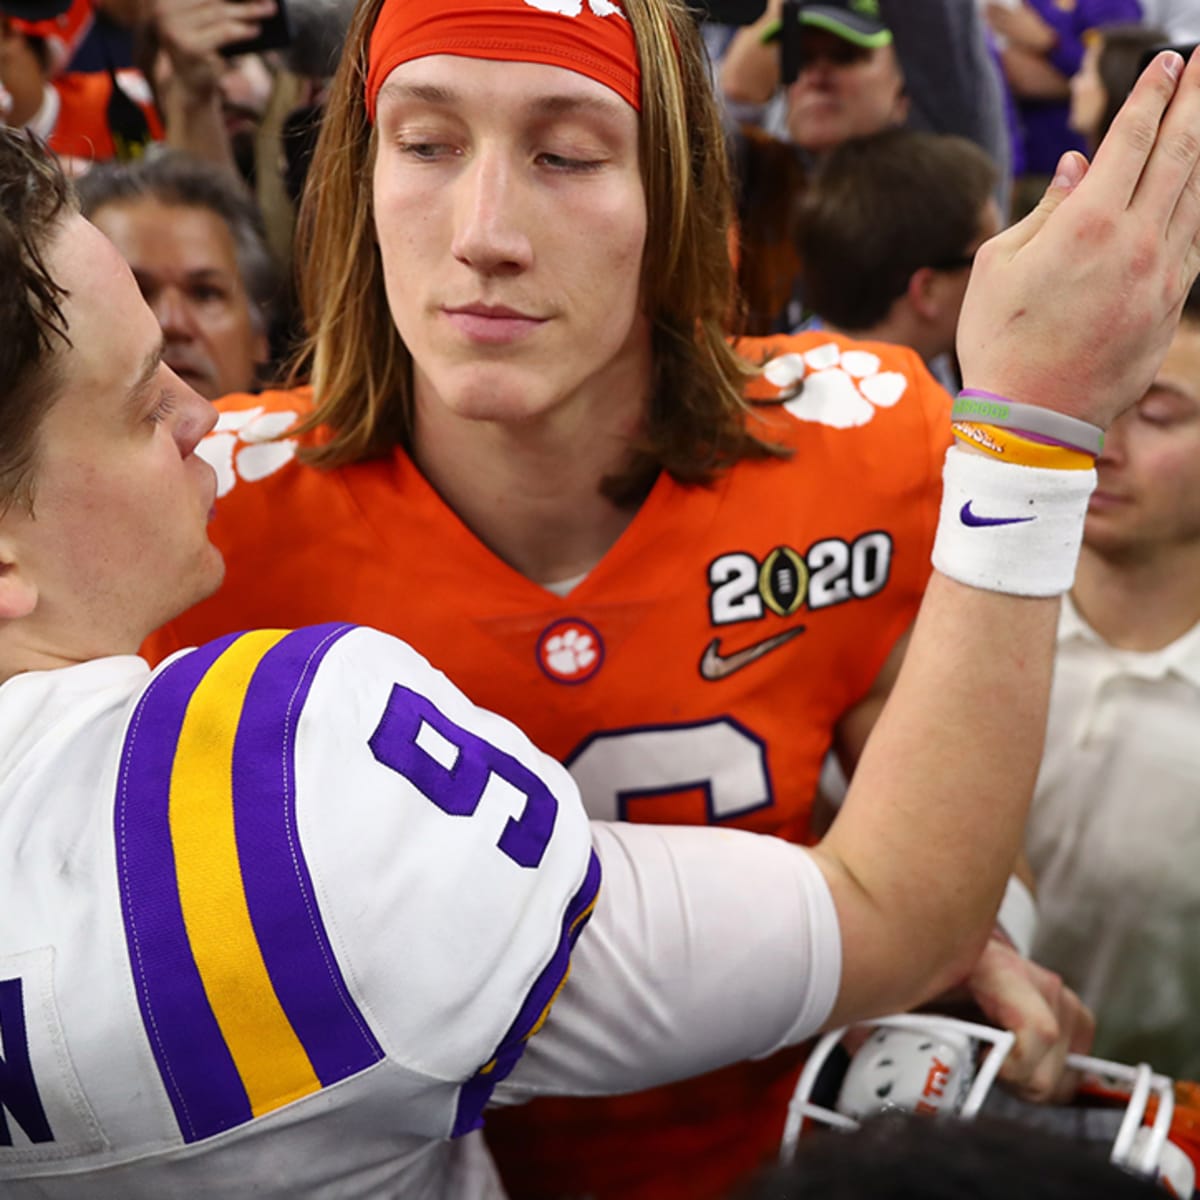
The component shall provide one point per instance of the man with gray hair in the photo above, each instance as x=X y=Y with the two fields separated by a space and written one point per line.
x=196 y=245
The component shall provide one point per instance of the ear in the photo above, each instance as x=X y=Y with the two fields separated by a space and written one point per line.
x=922 y=293
x=18 y=593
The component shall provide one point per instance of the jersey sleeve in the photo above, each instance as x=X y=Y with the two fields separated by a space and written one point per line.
x=707 y=947
x=331 y=859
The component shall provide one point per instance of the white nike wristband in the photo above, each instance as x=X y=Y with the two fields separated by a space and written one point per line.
x=1007 y=528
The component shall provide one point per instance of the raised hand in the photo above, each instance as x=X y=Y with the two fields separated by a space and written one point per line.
x=1073 y=308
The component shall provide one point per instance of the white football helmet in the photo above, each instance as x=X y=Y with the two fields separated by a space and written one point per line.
x=941 y=1065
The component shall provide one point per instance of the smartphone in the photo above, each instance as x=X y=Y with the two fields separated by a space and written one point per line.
x=274 y=33
x=789 y=43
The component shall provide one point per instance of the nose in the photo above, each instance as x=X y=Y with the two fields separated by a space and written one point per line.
x=491 y=214
x=816 y=69
x=174 y=314
x=197 y=417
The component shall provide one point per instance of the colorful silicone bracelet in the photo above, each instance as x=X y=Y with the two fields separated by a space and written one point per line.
x=988 y=408
x=1010 y=446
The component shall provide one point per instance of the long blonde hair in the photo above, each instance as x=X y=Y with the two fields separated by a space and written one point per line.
x=361 y=371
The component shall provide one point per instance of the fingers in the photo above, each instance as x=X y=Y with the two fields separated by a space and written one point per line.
x=1170 y=175
x=1054 y=1023
x=1072 y=167
x=1048 y=1020
x=1127 y=147
x=204 y=26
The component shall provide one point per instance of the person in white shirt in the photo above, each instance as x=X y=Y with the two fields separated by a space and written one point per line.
x=1114 y=832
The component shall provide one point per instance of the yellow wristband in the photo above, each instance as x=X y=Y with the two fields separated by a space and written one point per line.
x=1013 y=448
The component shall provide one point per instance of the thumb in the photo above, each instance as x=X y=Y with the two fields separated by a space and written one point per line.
x=1072 y=167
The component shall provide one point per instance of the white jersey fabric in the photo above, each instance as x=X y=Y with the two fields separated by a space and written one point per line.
x=280 y=918
x=1114 y=842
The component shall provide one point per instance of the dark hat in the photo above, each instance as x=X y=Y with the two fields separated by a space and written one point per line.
x=857 y=21
x=34 y=11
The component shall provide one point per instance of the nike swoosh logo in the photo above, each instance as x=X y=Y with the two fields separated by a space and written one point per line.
x=714 y=665
x=976 y=522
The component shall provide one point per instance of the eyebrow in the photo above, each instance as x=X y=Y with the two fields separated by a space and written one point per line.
x=552 y=105
x=149 y=369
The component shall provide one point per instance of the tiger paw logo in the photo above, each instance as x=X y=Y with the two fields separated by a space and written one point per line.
x=839 y=388
x=241 y=446
x=570 y=651
x=573 y=8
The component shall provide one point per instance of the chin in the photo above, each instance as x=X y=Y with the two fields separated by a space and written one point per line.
x=502 y=394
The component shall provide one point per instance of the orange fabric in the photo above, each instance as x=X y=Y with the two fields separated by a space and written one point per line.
x=593 y=37
x=82 y=130
x=64 y=31
x=1185 y=1122
x=373 y=543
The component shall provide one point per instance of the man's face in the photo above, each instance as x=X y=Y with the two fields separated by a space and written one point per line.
x=117 y=540
x=511 y=221
x=184 y=261
x=843 y=91
x=1147 y=503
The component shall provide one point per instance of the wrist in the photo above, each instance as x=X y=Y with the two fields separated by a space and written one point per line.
x=1008 y=528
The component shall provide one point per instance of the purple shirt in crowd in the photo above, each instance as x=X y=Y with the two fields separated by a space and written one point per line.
x=1044 y=122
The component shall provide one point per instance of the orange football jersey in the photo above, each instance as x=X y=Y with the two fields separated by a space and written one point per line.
x=82 y=130
x=696 y=675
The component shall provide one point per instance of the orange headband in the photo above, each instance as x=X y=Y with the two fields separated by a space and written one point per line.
x=592 y=37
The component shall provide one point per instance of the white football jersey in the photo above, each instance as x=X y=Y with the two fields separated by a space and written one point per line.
x=274 y=919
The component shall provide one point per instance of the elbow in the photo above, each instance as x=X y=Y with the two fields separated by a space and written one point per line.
x=949 y=968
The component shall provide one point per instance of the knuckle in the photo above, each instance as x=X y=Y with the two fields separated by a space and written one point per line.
x=1184 y=146
x=1141 y=134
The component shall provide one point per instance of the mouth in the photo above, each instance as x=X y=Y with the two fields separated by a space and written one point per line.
x=1102 y=501
x=492 y=324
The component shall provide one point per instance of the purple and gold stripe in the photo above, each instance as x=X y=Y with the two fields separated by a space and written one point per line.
x=241 y=995
x=476 y=1092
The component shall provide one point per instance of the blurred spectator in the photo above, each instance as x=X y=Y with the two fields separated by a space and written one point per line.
x=1112 y=61
x=870 y=66
x=84 y=117
x=1114 y=831
x=1041 y=47
x=256 y=113
x=195 y=243
x=887 y=231
x=191 y=75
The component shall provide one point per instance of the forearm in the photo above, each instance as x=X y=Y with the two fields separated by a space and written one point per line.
x=195 y=124
x=1032 y=77
x=919 y=856
x=749 y=71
